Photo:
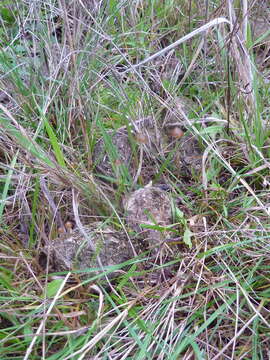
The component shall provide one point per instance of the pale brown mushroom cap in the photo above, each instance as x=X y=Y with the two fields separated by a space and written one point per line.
x=148 y=206
x=74 y=251
x=122 y=153
x=147 y=203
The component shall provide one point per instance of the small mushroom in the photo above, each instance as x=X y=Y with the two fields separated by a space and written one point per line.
x=110 y=154
x=167 y=69
x=148 y=206
x=189 y=154
x=74 y=251
x=176 y=132
x=115 y=153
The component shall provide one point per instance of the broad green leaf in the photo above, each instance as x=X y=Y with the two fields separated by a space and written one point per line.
x=178 y=215
x=53 y=287
x=187 y=237
x=5 y=281
x=7 y=15
x=154 y=227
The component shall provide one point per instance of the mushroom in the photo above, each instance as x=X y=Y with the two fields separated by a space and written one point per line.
x=73 y=250
x=119 y=153
x=148 y=212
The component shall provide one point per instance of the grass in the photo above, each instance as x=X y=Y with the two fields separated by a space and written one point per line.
x=71 y=75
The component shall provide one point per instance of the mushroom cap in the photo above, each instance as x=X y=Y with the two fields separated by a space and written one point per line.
x=189 y=154
x=167 y=68
x=109 y=156
x=74 y=251
x=148 y=206
x=116 y=149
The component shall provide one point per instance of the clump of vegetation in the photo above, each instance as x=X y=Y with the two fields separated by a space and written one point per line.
x=186 y=85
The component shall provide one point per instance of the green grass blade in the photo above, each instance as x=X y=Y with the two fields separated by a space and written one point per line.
x=7 y=184
x=29 y=145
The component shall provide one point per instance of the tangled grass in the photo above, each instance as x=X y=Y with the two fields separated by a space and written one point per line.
x=72 y=72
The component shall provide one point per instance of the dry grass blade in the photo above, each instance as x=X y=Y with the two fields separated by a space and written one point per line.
x=185 y=38
x=232 y=341
x=43 y=322
x=214 y=148
x=241 y=58
x=87 y=347
x=105 y=108
x=25 y=139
